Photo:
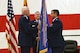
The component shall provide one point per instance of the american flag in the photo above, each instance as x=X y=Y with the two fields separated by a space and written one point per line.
x=10 y=29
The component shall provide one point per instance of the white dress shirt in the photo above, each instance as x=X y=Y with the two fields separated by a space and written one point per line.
x=26 y=17
x=54 y=19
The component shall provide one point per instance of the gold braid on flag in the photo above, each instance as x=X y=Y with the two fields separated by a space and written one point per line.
x=25 y=3
x=8 y=42
x=44 y=50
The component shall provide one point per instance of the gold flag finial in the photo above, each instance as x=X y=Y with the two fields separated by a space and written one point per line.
x=25 y=3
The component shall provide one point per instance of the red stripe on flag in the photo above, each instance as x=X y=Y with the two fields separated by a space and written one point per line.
x=14 y=23
x=13 y=34
x=7 y=30
x=12 y=45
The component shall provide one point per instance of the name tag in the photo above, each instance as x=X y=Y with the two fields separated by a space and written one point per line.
x=33 y=25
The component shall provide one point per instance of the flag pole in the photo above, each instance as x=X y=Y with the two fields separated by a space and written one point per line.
x=38 y=40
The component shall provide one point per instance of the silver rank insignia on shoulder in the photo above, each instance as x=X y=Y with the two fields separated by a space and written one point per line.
x=56 y=19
